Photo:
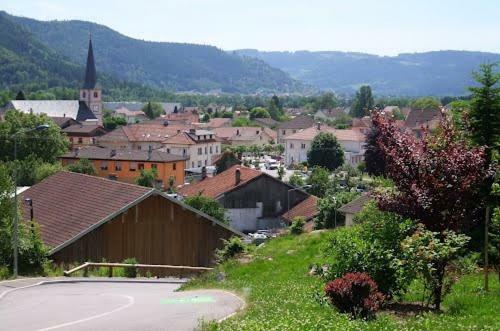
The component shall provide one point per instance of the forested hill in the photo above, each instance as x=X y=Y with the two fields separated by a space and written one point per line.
x=26 y=61
x=175 y=66
x=431 y=73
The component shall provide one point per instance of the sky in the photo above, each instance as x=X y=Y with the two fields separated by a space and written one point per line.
x=383 y=27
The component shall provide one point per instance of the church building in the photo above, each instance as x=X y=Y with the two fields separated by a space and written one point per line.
x=87 y=110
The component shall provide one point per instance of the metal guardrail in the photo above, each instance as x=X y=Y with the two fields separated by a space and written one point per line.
x=86 y=265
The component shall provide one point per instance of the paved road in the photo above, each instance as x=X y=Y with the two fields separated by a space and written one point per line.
x=112 y=306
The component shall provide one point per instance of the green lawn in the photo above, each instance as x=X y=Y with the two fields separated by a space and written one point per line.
x=280 y=295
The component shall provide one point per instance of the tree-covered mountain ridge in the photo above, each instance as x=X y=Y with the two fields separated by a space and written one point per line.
x=408 y=74
x=166 y=65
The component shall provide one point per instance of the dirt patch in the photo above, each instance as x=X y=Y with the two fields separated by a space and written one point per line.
x=407 y=309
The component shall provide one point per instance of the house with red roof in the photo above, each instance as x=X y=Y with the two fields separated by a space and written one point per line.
x=253 y=199
x=198 y=146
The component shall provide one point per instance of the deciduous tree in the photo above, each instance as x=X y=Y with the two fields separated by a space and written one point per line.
x=325 y=152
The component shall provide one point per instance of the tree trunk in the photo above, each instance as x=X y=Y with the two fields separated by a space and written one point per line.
x=437 y=291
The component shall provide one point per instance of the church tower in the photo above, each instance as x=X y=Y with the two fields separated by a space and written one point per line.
x=91 y=93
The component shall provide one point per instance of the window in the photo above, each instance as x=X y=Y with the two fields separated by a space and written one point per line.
x=71 y=139
x=118 y=166
x=184 y=152
x=80 y=140
x=211 y=151
x=154 y=166
x=294 y=131
x=199 y=163
x=206 y=150
x=192 y=164
x=174 y=166
x=205 y=162
x=291 y=146
x=217 y=149
x=303 y=146
x=283 y=132
x=141 y=166
x=200 y=151
x=96 y=94
x=104 y=165
x=84 y=95
x=133 y=166
x=139 y=147
x=168 y=150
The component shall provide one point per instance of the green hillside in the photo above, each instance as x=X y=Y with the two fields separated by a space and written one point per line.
x=417 y=74
x=173 y=66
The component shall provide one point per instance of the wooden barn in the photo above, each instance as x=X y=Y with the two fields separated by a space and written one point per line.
x=86 y=218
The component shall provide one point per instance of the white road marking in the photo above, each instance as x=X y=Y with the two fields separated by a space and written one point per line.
x=130 y=299
x=19 y=288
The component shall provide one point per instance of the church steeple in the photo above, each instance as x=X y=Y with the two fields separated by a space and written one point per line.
x=90 y=93
x=90 y=72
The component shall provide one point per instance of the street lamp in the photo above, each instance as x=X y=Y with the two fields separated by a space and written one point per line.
x=294 y=189
x=15 y=236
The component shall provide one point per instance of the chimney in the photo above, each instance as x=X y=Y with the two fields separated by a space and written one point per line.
x=112 y=153
x=237 y=176
x=203 y=173
x=319 y=125
x=150 y=151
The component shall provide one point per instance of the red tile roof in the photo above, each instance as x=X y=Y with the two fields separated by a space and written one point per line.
x=215 y=186
x=340 y=134
x=84 y=130
x=299 y=122
x=423 y=117
x=307 y=208
x=244 y=133
x=101 y=153
x=144 y=132
x=67 y=204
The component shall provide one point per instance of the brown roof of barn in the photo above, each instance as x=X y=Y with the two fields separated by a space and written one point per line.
x=69 y=205
x=225 y=181
x=299 y=122
x=307 y=208
x=356 y=205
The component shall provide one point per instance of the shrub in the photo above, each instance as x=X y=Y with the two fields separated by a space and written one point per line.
x=373 y=246
x=232 y=247
x=328 y=214
x=130 y=272
x=429 y=255
x=297 y=226
x=208 y=206
x=356 y=294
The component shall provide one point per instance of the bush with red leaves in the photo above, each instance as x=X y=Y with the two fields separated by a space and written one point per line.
x=356 y=294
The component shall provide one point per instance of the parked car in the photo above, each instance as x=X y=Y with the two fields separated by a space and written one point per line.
x=271 y=164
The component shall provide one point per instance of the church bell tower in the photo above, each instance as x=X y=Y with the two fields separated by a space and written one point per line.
x=91 y=93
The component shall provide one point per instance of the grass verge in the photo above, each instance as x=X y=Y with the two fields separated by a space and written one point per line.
x=280 y=295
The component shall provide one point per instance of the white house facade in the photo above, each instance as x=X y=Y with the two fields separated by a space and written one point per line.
x=297 y=145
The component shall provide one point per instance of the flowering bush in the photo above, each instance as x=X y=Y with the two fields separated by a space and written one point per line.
x=356 y=294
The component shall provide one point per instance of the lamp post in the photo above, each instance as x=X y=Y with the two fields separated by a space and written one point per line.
x=294 y=189
x=15 y=235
